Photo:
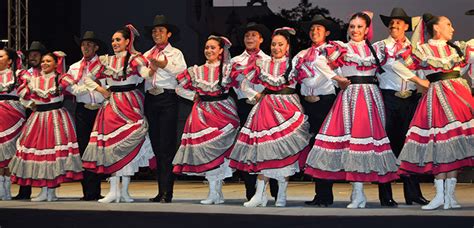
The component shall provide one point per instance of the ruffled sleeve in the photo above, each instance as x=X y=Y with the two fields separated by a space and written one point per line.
x=140 y=64
x=24 y=91
x=334 y=52
x=303 y=65
x=185 y=88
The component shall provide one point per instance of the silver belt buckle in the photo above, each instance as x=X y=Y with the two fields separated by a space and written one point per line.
x=92 y=106
x=248 y=101
x=312 y=99
x=404 y=94
x=156 y=91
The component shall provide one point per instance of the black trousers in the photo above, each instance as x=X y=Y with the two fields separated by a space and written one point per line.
x=85 y=119
x=317 y=113
x=161 y=112
x=243 y=110
x=399 y=113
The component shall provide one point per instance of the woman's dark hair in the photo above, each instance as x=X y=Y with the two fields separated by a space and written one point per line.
x=368 y=21
x=56 y=78
x=11 y=53
x=126 y=35
x=221 y=66
x=287 y=36
x=430 y=20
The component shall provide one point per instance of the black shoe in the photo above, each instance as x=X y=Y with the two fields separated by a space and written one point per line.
x=167 y=197
x=388 y=203
x=420 y=200
x=157 y=198
x=91 y=198
x=21 y=197
x=319 y=201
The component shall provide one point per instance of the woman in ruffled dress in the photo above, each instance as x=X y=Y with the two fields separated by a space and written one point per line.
x=210 y=130
x=440 y=139
x=352 y=144
x=277 y=131
x=12 y=116
x=119 y=142
x=47 y=150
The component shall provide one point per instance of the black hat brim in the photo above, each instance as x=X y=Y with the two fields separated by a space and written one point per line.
x=102 y=46
x=330 y=26
x=386 y=21
x=170 y=27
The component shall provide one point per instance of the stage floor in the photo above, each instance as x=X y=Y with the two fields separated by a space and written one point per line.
x=187 y=195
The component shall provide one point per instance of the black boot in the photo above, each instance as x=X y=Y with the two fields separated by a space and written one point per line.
x=386 y=196
x=412 y=191
x=273 y=188
x=23 y=193
x=323 y=190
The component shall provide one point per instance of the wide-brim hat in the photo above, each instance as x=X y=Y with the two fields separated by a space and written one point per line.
x=90 y=36
x=397 y=13
x=160 y=20
x=37 y=46
x=329 y=24
x=253 y=26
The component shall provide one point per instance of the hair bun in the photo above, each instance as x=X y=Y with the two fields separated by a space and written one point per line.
x=427 y=17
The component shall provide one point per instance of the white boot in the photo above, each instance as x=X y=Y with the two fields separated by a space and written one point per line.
x=449 y=198
x=42 y=196
x=213 y=196
x=219 y=192
x=2 y=188
x=358 y=199
x=7 y=185
x=260 y=197
x=281 y=197
x=125 y=197
x=51 y=196
x=438 y=200
x=114 y=193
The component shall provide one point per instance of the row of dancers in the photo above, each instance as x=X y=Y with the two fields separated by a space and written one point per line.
x=355 y=135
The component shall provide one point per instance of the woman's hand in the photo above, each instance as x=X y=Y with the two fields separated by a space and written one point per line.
x=342 y=82
x=258 y=97
x=196 y=98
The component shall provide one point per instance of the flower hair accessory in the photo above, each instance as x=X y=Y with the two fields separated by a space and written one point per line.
x=133 y=33
x=61 y=68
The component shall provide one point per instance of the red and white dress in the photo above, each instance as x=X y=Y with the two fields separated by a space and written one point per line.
x=212 y=126
x=277 y=131
x=352 y=144
x=47 y=150
x=119 y=140
x=12 y=117
x=441 y=134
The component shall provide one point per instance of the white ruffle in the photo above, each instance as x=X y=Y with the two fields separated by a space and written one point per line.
x=13 y=128
x=116 y=132
x=360 y=141
x=35 y=151
x=280 y=173
x=435 y=131
x=206 y=131
x=220 y=173
x=141 y=160
x=280 y=128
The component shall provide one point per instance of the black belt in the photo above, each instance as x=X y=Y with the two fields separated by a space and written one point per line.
x=5 y=97
x=282 y=91
x=443 y=76
x=214 y=98
x=123 y=88
x=363 y=80
x=49 y=107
